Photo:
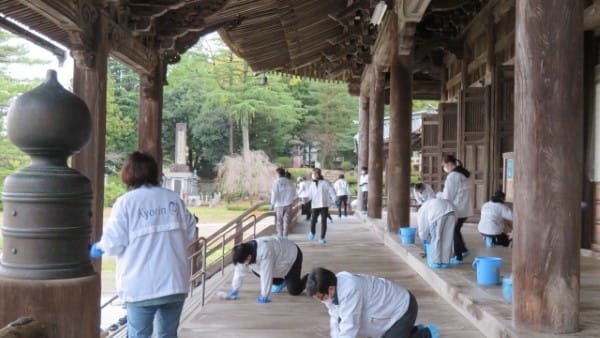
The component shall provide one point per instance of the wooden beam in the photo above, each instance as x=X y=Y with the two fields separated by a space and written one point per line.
x=548 y=165
x=59 y=52
x=150 y=114
x=363 y=139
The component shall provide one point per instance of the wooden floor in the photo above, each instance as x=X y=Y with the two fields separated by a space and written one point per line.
x=352 y=247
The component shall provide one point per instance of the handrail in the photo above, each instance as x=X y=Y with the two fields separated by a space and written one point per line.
x=233 y=231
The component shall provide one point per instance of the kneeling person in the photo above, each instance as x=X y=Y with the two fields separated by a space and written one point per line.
x=436 y=220
x=276 y=260
x=366 y=305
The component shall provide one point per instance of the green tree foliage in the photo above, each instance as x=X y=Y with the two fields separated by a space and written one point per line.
x=122 y=101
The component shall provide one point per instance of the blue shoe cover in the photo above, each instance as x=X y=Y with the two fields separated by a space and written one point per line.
x=311 y=236
x=454 y=261
x=466 y=254
x=277 y=288
x=322 y=241
x=433 y=330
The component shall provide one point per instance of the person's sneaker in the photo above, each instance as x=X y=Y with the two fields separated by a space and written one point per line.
x=433 y=331
x=311 y=236
x=455 y=261
x=277 y=288
x=489 y=242
x=444 y=266
x=466 y=253
x=322 y=241
x=435 y=265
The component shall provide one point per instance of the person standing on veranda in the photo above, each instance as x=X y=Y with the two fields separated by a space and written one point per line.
x=283 y=194
x=342 y=191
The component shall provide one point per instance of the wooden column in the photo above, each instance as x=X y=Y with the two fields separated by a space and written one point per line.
x=548 y=164
x=150 y=115
x=89 y=83
x=377 y=102
x=363 y=139
x=398 y=170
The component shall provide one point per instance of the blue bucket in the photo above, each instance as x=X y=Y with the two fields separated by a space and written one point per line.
x=488 y=270
x=407 y=235
x=507 y=292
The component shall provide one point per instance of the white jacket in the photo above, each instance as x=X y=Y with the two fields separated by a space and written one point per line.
x=429 y=213
x=274 y=258
x=322 y=195
x=422 y=197
x=303 y=189
x=492 y=218
x=341 y=187
x=364 y=182
x=283 y=192
x=149 y=231
x=367 y=305
x=458 y=189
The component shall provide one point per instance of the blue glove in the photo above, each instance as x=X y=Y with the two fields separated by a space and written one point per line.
x=96 y=252
x=233 y=294
x=263 y=300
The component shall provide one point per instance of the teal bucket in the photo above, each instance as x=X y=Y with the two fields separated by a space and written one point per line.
x=507 y=291
x=407 y=235
x=488 y=270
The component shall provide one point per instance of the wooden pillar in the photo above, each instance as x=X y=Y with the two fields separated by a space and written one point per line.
x=548 y=164
x=89 y=83
x=150 y=115
x=363 y=139
x=398 y=170
x=377 y=102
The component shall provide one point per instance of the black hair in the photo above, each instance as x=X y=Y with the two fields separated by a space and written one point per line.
x=317 y=172
x=241 y=252
x=138 y=170
x=319 y=280
x=341 y=176
x=498 y=197
x=420 y=186
x=453 y=160
x=363 y=168
x=280 y=171
x=288 y=175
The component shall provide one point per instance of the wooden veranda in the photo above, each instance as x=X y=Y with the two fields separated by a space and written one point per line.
x=512 y=75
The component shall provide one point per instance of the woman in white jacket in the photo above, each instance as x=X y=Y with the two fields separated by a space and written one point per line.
x=366 y=305
x=149 y=231
x=276 y=260
x=493 y=215
x=458 y=189
x=322 y=195
x=436 y=221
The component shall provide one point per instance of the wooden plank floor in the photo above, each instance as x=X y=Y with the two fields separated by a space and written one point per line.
x=352 y=247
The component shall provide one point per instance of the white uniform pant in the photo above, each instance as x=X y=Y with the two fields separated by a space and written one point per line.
x=442 y=235
x=283 y=217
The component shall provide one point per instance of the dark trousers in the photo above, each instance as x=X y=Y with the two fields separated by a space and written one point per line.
x=365 y=196
x=294 y=283
x=459 y=242
x=342 y=200
x=405 y=326
x=324 y=212
x=501 y=239
x=306 y=210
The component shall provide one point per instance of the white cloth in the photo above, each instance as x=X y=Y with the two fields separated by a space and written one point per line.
x=492 y=218
x=458 y=189
x=422 y=197
x=341 y=187
x=303 y=189
x=367 y=305
x=149 y=231
x=364 y=182
x=274 y=258
x=283 y=192
x=322 y=195
x=436 y=222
